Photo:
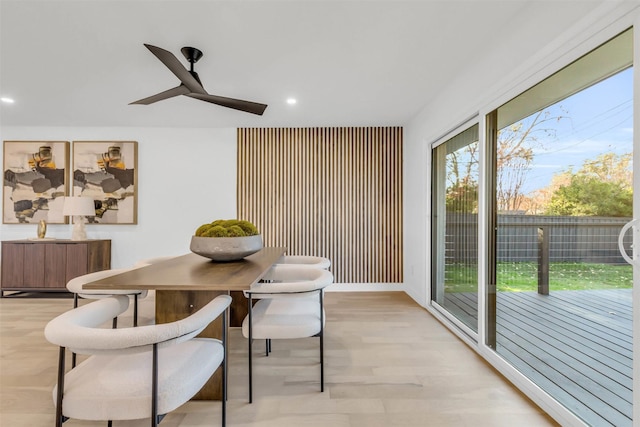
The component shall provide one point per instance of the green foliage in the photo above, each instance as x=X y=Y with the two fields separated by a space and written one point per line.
x=564 y=276
x=462 y=198
x=601 y=187
x=591 y=196
x=227 y=228
x=523 y=277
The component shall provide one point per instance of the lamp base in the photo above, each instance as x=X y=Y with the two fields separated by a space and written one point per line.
x=79 y=232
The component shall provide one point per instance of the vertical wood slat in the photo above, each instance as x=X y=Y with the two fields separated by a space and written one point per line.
x=332 y=192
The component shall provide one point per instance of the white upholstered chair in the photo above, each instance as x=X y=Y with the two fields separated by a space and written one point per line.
x=290 y=306
x=134 y=373
x=305 y=261
x=75 y=286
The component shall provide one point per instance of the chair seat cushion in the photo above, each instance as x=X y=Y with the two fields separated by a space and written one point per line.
x=120 y=386
x=282 y=318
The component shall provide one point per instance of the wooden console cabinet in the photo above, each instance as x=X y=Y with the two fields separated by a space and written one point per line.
x=47 y=265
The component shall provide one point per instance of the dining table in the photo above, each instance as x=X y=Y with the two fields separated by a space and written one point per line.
x=186 y=283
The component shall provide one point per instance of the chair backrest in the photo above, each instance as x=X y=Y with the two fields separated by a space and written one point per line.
x=79 y=329
x=75 y=285
x=305 y=261
x=289 y=280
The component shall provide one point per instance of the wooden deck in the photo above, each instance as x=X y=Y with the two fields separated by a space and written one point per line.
x=575 y=345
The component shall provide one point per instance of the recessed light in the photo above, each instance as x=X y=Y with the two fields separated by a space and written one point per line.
x=291 y=101
x=7 y=100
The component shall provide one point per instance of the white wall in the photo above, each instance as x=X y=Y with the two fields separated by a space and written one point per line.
x=186 y=177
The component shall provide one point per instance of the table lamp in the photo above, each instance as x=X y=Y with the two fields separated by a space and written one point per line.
x=78 y=208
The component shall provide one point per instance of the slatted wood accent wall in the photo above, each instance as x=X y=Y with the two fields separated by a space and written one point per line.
x=332 y=192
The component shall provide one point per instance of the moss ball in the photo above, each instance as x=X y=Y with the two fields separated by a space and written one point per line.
x=248 y=228
x=216 y=231
x=202 y=229
x=227 y=228
x=235 y=231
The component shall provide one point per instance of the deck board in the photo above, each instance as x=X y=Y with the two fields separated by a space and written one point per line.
x=567 y=349
x=576 y=345
x=603 y=340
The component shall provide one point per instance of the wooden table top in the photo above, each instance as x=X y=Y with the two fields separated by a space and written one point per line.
x=195 y=273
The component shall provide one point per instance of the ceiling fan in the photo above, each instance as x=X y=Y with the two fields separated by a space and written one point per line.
x=190 y=83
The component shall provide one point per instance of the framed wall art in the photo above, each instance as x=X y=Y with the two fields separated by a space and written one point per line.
x=107 y=172
x=35 y=181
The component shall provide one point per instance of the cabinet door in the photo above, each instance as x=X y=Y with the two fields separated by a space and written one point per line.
x=99 y=257
x=12 y=265
x=77 y=265
x=33 y=267
x=55 y=266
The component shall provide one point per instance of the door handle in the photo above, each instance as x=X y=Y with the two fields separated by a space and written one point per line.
x=623 y=252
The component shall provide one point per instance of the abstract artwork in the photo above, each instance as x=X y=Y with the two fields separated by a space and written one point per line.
x=35 y=181
x=107 y=172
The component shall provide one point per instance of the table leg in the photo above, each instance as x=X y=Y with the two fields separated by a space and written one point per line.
x=176 y=305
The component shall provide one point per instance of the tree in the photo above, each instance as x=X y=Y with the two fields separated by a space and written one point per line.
x=610 y=167
x=462 y=186
x=515 y=152
x=462 y=198
x=601 y=187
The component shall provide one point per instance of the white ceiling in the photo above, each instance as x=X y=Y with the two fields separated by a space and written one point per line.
x=349 y=63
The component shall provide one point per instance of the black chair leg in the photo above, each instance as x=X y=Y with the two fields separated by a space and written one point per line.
x=60 y=390
x=321 y=343
x=73 y=355
x=154 y=386
x=224 y=367
x=321 y=362
x=135 y=310
x=250 y=351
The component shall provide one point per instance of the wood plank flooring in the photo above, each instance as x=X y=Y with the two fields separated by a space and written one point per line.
x=388 y=363
x=576 y=345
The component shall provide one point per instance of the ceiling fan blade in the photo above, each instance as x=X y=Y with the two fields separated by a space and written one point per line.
x=237 y=104
x=176 y=67
x=178 y=90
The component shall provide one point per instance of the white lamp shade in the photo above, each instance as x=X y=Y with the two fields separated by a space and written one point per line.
x=81 y=206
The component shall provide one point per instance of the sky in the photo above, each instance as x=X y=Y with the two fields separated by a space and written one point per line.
x=598 y=120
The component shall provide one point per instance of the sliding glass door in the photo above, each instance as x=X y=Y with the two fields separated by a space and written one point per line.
x=562 y=155
x=455 y=227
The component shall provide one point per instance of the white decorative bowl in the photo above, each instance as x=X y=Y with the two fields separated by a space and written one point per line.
x=226 y=248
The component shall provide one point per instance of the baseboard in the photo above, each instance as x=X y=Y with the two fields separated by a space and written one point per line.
x=365 y=287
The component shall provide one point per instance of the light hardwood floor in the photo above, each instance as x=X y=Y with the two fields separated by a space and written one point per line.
x=388 y=363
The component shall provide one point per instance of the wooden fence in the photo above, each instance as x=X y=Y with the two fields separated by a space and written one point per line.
x=570 y=239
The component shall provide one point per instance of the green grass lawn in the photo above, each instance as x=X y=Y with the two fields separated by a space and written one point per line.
x=523 y=276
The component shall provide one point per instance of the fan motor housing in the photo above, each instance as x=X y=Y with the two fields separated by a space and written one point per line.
x=191 y=53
